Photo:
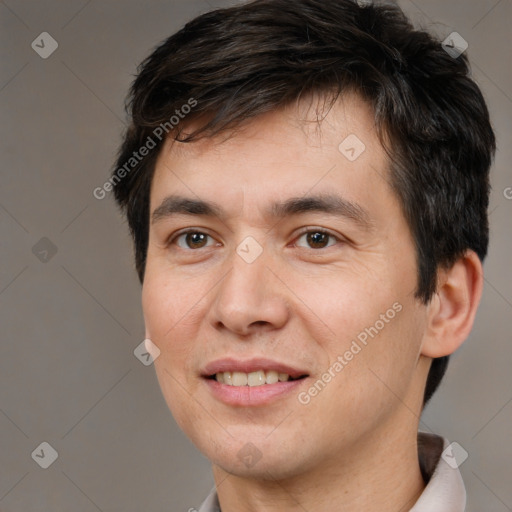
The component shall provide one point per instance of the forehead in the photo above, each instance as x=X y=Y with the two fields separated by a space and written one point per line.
x=285 y=153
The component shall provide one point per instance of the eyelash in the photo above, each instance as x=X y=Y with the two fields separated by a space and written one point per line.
x=299 y=235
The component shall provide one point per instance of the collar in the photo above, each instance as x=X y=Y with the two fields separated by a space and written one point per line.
x=444 y=492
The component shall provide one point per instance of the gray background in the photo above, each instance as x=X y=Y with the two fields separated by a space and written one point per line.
x=69 y=326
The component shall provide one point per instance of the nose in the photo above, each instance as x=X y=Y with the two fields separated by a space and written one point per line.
x=250 y=298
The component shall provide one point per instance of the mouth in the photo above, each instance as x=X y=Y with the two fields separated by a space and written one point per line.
x=251 y=382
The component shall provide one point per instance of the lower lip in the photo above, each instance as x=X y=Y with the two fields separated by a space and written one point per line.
x=246 y=396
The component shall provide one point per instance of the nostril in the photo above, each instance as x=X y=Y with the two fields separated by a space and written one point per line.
x=259 y=323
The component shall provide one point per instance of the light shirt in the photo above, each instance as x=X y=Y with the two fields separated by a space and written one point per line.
x=444 y=491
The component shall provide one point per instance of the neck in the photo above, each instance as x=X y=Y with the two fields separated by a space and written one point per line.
x=374 y=476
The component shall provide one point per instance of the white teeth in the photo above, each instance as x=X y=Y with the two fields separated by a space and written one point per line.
x=252 y=379
x=239 y=379
x=272 y=377
x=256 y=378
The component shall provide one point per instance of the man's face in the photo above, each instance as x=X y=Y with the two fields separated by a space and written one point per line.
x=275 y=281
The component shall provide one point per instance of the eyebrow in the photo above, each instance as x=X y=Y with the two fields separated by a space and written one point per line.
x=327 y=203
x=324 y=203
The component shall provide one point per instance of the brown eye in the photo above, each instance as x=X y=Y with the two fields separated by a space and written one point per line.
x=316 y=239
x=192 y=240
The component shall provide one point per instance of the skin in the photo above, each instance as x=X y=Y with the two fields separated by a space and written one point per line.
x=354 y=443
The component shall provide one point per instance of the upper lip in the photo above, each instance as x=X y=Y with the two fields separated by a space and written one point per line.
x=229 y=364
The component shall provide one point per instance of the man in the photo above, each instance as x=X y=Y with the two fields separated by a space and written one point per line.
x=307 y=185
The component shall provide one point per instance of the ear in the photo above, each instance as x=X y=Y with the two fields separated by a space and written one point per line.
x=452 y=310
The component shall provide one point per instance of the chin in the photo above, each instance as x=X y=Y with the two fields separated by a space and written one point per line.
x=265 y=469
x=258 y=456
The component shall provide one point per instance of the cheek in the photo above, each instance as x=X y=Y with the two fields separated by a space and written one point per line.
x=378 y=364
x=169 y=319
x=166 y=317
x=372 y=327
x=344 y=305
x=164 y=303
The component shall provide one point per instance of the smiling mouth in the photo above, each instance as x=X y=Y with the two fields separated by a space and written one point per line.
x=252 y=379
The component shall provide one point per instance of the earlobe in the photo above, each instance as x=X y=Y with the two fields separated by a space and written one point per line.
x=452 y=310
